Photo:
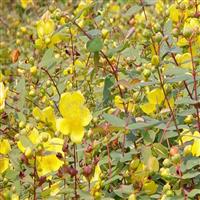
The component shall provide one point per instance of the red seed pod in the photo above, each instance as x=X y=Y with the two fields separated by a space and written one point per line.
x=72 y=171
x=87 y=170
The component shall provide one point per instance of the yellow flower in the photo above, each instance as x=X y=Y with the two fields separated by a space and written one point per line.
x=159 y=6
x=97 y=174
x=14 y=197
x=148 y=108
x=120 y=105
x=24 y=3
x=155 y=97
x=184 y=60
x=4 y=146
x=4 y=164
x=3 y=92
x=174 y=13
x=196 y=144
x=45 y=28
x=47 y=164
x=45 y=31
x=75 y=116
x=46 y=116
x=4 y=150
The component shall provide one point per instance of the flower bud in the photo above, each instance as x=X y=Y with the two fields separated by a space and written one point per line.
x=155 y=60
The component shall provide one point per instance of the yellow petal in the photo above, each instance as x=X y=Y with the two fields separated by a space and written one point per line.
x=62 y=125
x=70 y=101
x=56 y=39
x=49 y=116
x=49 y=27
x=40 y=29
x=184 y=60
x=78 y=98
x=24 y=3
x=174 y=13
x=86 y=116
x=196 y=144
x=97 y=174
x=182 y=41
x=4 y=146
x=4 y=164
x=34 y=136
x=47 y=164
x=39 y=43
x=155 y=96
x=76 y=134
x=148 y=108
x=37 y=113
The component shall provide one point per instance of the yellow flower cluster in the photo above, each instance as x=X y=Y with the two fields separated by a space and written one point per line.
x=46 y=33
x=74 y=116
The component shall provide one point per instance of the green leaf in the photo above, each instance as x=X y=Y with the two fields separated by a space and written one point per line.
x=190 y=163
x=21 y=88
x=124 y=191
x=133 y=10
x=48 y=60
x=160 y=150
x=96 y=59
x=190 y=175
x=194 y=192
x=185 y=101
x=149 y=2
x=118 y=49
x=114 y=178
x=115 y=121
x=108 y=83
x=141 y=125
x=94 y=45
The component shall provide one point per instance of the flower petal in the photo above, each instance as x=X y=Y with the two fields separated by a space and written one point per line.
x=148 y=108
x=77 y=134
x=4 y=164
x=155 y=96
x=62 y=125
x=4 y=146
x=86 y=116
x=47 y=164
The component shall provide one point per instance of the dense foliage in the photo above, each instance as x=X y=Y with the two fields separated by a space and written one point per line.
x=100 y=99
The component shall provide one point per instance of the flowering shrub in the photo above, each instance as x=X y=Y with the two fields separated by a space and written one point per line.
x=100 y=99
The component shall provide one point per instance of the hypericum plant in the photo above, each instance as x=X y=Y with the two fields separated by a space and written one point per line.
x=99 y=100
